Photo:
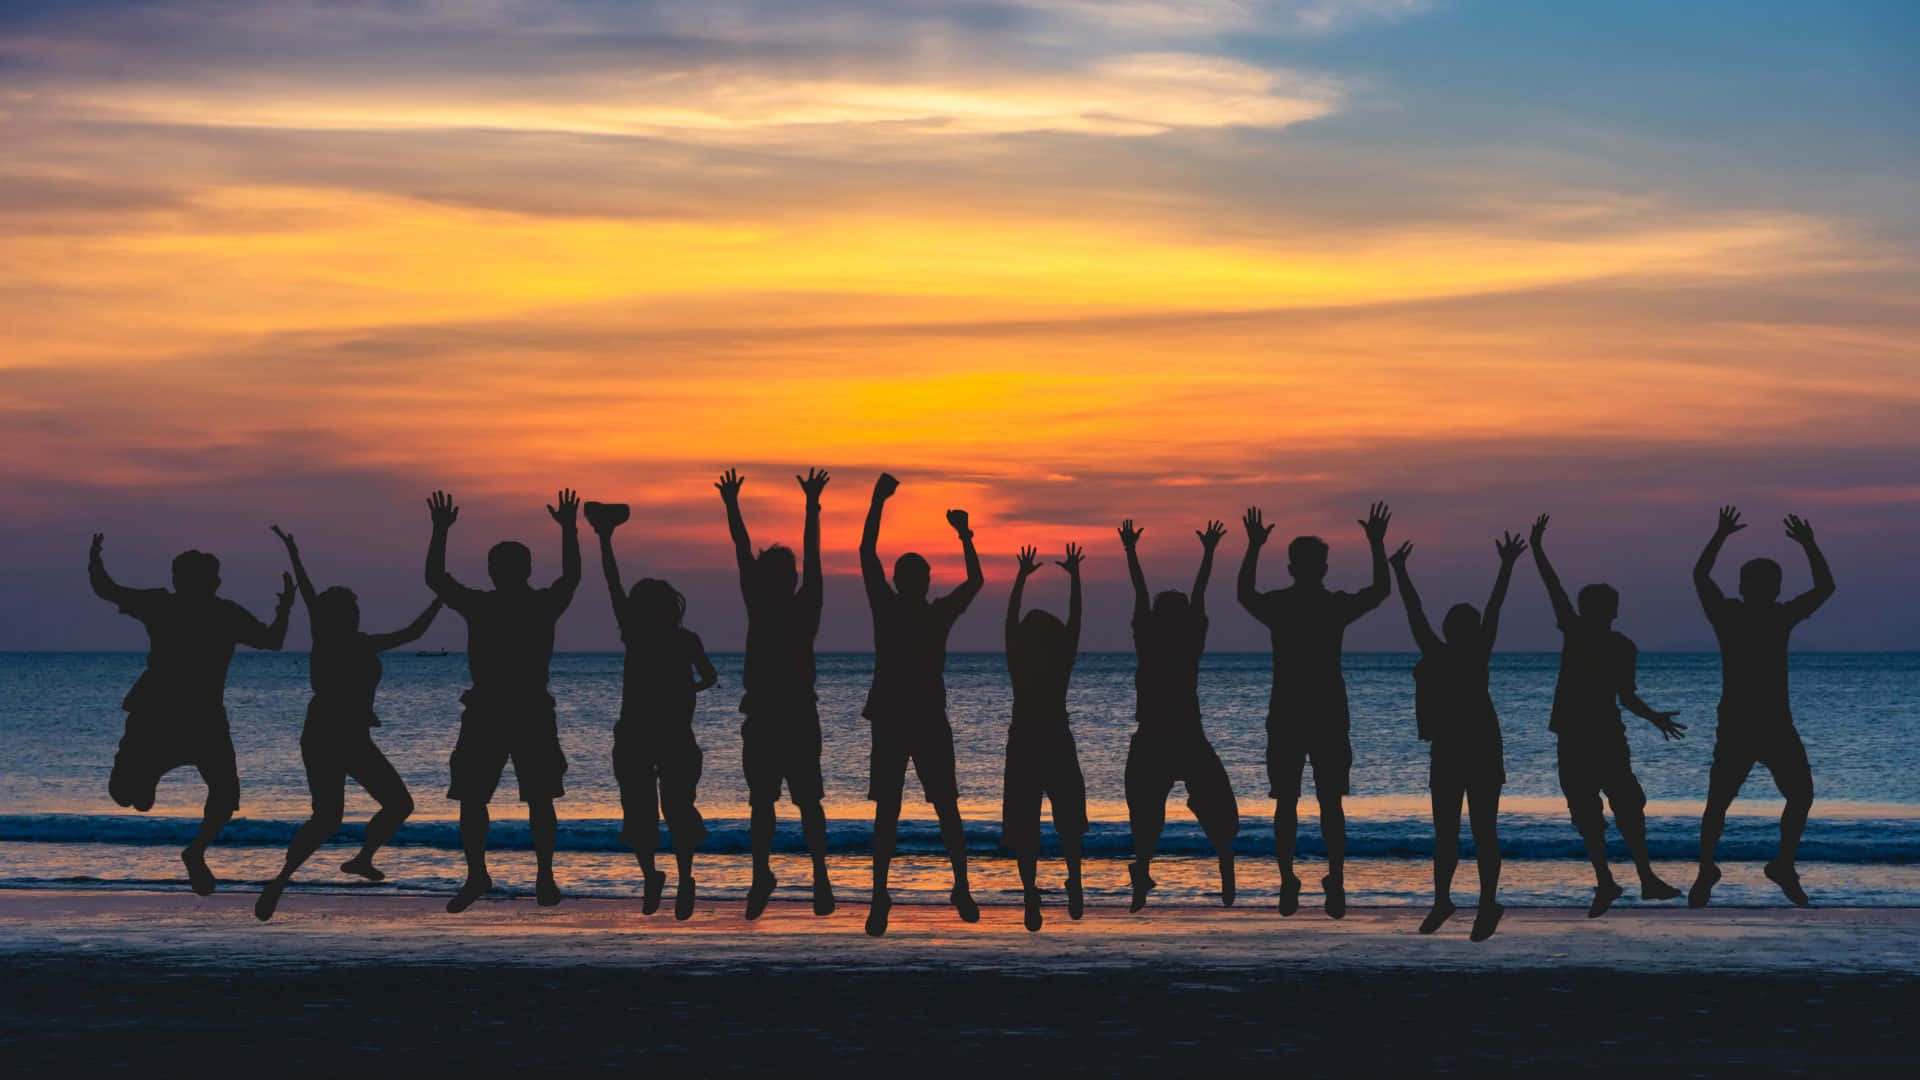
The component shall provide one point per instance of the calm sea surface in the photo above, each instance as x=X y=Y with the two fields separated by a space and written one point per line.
x=60 y=720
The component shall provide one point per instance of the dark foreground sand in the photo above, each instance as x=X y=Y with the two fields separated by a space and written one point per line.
x=159 y=984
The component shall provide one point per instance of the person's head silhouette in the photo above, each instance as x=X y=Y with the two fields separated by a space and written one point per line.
x=1599 y=604
x=336 y=611
x=912 y=576
x=196 y=573
x=1171 y=604
x=1039 y=638
x=656 y=605
x=1307 y=560
x=775 y=574
x=1760 y=581
x=1462 y=624
x=509 y=564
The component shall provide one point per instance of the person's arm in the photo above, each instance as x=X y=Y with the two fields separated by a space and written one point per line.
x=610 y=569
x=1703 y=585
x=1669 y=728
x=1248 y=589
x=729 y=486
x=1029 y=562
x=567 y=516
x=300 y=577
x=702 y=665
x=1801 y=532
x=1371 y=597
x=1130 y=539
x=812 y=579
x=1209 y=539
x=871 y=572
x=1556 y=593
x=969 y=588
x=271 y=636
x=444 y=513
x=1423 y=636
x=409 y=633
x=104 y=586
x=1071 y=564
x=1510 y=548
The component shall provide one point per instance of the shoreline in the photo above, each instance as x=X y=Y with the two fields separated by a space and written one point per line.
x=392 y=985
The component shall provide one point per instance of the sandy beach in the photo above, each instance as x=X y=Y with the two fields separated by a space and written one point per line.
x=335 y=982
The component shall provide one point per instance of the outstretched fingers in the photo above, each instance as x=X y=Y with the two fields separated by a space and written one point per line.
x=1399 y=556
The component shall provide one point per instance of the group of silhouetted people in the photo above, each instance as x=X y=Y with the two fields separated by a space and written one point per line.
x=176 y=715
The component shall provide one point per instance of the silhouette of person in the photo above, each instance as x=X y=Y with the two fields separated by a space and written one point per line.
x=907 y=704
x=1041 y=757
x=1596 y=677
x=656 y=760
x=1755 y=720
x=176 y=711
x=337 y=740
x=1169 y=745
x=509 y=714
x=780 y=736
x=1453 y=709
x=1307 y=719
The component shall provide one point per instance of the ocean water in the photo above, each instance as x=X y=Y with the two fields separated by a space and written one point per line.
x=60 y=721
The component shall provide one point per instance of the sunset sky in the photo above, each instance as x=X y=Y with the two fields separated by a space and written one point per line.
x=1057 y=261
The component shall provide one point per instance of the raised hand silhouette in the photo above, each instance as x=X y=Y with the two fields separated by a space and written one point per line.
x=1129 y=535
x=568 y=509
x=1510 y=547
x=729 y=485
x=444 y=513
x=1029 y=560
x=1075 y=556
x=1399 y=558
x=1798 y=530
x=1210 y=536
x=1729 y=522
x=1376 y=521
x=1257 y=530
x=813 y=483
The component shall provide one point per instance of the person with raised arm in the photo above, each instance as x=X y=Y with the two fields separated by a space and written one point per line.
x=1169 y=744
x=656 y=760
x=1597 y=676
x=1755 y=724
x=176 y=711
x=908 y=702
x=337 y=740
x=1453 y=709
x=1307 y=716
x=509 y=715
x=780 y=738
x=1041 y=757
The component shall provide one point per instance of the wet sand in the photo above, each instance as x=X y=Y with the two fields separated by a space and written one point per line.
x=150 y=982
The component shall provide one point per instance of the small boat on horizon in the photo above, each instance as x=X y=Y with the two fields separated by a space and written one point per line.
x=431 y=652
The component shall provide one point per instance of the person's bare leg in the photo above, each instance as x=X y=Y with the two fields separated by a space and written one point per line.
x=684 y=895
x=886 y=826
x=223 y=801
x=1286 y=830
x=1446 y=857
x=1148 y=816
x=1713 y=822
x=382 y=781
x=953 y=834
x=474 y=824
x=1070 y=848
x=1631 y=819
x=544 y=825
x=1781 y=871
x=760 y=829
x=813 y=822
x=1484 y=810
x=306 y=841
x=1333 y=832
x=1029 y=862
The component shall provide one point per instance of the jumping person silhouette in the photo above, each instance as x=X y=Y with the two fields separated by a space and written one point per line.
x=780 y=737
x=176 y=711
x=908 y=702
x=1169 y=744
x=1755 y=720
x=509 y=714
x=656 y=761
x=1041 y=757
x=1307 y=718
x=337 y=740
x=1597 y=677
x=1454 y=711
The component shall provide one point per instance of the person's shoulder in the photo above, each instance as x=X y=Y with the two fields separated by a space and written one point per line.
x=1622 y=641
x=690 y=639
